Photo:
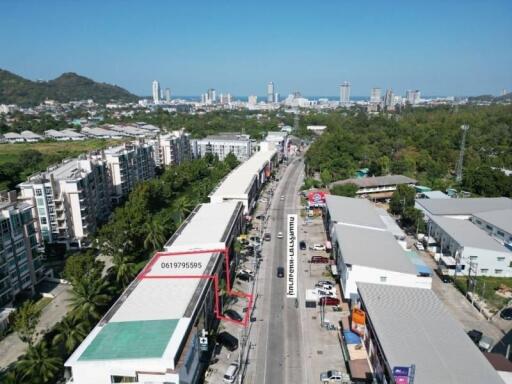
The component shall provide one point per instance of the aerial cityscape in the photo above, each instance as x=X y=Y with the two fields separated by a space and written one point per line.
x=256 y=193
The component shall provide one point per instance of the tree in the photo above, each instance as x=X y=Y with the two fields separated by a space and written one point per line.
x=402 y=198
x=124 y=269
x=348 y=190
x=231 y=160
x=326 y=177
x=25 y=321
x=39 y=365
x=70 y=332
x=88 y=297
x=182 y=208
x=155 y=237
x=82 y=265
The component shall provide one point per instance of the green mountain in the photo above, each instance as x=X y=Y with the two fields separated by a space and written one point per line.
x=491 y=99
x=15 y=89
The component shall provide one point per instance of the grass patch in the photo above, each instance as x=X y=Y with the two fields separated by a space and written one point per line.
x=57 y=149
x=486 y=288
x=43 y=302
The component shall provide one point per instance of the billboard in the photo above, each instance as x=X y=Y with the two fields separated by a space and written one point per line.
x=358 y=321
x=401 y=375
x=316 y=198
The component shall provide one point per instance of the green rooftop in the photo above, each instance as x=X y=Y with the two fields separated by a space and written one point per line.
x=131 y=340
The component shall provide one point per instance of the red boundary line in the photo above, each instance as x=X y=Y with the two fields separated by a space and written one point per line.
x=144 y=275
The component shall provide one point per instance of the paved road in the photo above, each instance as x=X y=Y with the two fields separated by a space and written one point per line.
x=280 y=357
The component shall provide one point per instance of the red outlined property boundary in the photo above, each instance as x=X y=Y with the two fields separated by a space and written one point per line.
x=225 y=251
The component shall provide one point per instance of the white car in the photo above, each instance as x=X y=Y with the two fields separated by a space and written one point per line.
x=279 y=235
x=231 y=373
x=323 y=292
x=282 y=197
x=333 y=376
x=246 y=271
x=420 y=246
x=318 y=247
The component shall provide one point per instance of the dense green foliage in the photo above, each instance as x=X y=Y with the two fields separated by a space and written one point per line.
x=151 y=214
x=422 y=143
x=348 y=190
x=15 y=89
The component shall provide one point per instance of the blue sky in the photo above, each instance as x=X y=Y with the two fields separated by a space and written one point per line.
x=440 y=47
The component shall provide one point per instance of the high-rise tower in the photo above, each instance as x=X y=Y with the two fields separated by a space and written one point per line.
x=270 y=92
x=345 y=93
x=156 y=92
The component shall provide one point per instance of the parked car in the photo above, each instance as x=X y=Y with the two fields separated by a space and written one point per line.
x=328 y=287
x=319 y=260
x=233 y=315
x=260 y=217
x=255 y=239
x=280 y=271
x=231 y=373
x=318 y=247
x=267 y=237
x=227 y=340
x=327 y=300
x=475 y=335
x=279 y=235
x=302 y=245
x=326 y=282
x=282 y=197
x=419 y=246
x=333 y=376
x=324 y=292
x=486 y=343
x=246 y=271
x=506 y=314
x=444 y=278
x=244 y=277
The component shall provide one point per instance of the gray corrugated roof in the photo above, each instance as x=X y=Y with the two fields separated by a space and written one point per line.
x=464 y=206
x=353 y=211
x=467 y=234
x=378 y=181
x=372 y=248
x=501 y=219
x=413 y=327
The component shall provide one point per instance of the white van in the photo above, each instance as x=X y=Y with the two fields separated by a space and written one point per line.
x=231 y=373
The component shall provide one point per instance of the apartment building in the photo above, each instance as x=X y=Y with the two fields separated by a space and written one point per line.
x=172 y=148
x=20 y=265
x=223 y=144
x=127 y=165
x=71 y=199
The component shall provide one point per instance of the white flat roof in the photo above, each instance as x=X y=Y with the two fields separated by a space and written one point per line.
x=238 y=182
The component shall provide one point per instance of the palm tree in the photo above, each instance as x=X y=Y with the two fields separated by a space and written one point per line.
x=39 y=365
x=182 y=208
x=12 y=377
x=88 y=297
x=124 y=269
x=25 y=321
x=70 y=332
x=155 y=237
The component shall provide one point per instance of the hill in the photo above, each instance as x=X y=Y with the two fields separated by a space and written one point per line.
x=15 y=89
x=491 y=99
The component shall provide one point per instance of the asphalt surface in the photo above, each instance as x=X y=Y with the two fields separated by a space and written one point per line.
x=281 y=345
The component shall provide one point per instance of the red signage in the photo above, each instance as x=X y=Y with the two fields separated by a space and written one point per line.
x=316 y=198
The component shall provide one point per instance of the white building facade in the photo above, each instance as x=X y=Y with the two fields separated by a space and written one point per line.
x=221 y=145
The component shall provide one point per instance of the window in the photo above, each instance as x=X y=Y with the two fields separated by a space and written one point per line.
x=39 y=192
x=500 y=234
x=488 y=227
x=383 y=279
x=484 y=270
x=479 y=222
x=498 y=271
x=501 y=258
x=43 y=220
x=48 y=190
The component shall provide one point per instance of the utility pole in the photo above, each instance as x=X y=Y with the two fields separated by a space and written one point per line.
x=460 y=163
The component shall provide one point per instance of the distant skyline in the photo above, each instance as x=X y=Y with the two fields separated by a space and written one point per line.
x=449 y=47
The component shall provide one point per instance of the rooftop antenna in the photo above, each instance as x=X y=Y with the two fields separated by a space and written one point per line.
x=460 y=163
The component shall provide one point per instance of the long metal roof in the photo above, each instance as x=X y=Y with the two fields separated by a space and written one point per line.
x=467 y=206
x=413 y=327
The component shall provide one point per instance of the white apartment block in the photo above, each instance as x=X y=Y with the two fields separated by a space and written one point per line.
x=70 y=199
x=127 y=165
x=20 y=265
x=223 y=144
x=172 y=148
